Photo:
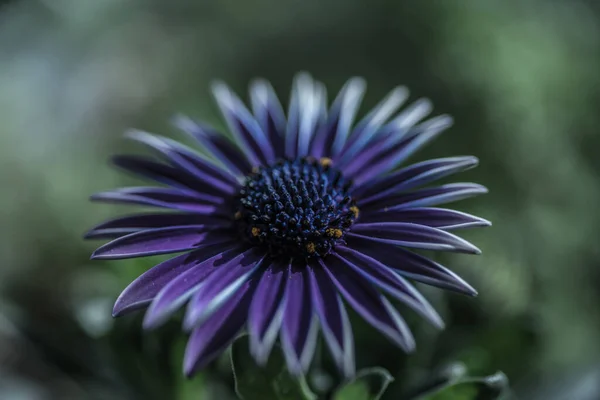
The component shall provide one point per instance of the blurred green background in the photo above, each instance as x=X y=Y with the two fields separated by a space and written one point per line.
x=521 y=79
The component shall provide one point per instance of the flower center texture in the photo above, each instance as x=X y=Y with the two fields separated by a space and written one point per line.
x=295 y=208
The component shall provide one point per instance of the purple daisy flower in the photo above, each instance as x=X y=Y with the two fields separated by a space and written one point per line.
x=301 y=215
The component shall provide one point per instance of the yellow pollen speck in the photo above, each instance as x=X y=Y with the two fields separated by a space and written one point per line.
x=237 y=215
x=355 y=211
x=325 y=161
x=255 y=231
x=255 y=170
x=310 y=247
x=334 y=232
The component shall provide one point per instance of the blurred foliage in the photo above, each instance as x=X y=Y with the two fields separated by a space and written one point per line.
x=520 y=79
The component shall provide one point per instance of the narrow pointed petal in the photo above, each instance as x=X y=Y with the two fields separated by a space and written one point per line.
x=333 y=319
x=369 y=303
x=299 y=328
x=220 y=285
x=269 y=114
x=217 y=144
x=395 y=155
x=366 y=129
x=414 y=236
x=331 y=138
x=160 y=172
x=185 y=159
x=408 y=118
x=380 y=275
x=182 y=288
x=266 y=312
x=211 y=338
x=145 y=288
x=122 y=226
x=412 y=265
x=161 y=195
x=426 y=197
x=243 y=125
x=440 y=218
x=413 y=176
x=151 y=242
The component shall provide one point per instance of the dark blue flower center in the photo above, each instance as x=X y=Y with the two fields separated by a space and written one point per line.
x=296 y=208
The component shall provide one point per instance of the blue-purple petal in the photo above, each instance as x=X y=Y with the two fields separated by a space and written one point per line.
x=266 y=311
x=168 y=240
x=333 y=319
x=369 y=303
x=298 y=328
x=440 y=218
x=269 y=114
x=412 y=265
x=222 y=283
x=145 y=288
x=211 y=338
x=414 y=236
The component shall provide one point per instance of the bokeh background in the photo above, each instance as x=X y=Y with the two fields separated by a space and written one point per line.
x=521 y=79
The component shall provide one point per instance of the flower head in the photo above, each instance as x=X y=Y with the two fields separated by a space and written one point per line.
x=300 y=216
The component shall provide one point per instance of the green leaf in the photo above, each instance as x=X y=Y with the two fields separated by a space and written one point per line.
x=453 y=384
x=369 y=384
x=269 y=382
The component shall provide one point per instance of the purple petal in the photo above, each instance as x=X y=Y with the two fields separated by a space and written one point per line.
x=243 y=125
x=408 y=118
x=144 y=289
x=122 y=226
x=188 y=161
x=372 y=122
x=410 y=177
x=440 y=218
x=411 y=265
x=331 y=139
x=311 y=103
x=217 y=144
x=425 y=197
x=333 y=319
x=415 y=236
x=269 y=114
x=396 y=154
x=368 y=303
x=152 y=242
x=222 y=284
x=184 y=198
x=211 y=338
x=181 y=288
x=160 y=172
x=293 y=122
x=391 y=282
x=298 y=328
x=266 y=312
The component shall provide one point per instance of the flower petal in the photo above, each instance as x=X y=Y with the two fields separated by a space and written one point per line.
x=222 y=284
x=411 y=265
x=330 y=140
x=413 y=235
x=181 y=199
x=298 y=328
x=369 y=304
x=372 y=122
x=440 y=218
x=333 y=319
x=392 y=283
x=266 y=312
x=425 y=197
x=186 y=159
x=217 y=144
x=269 y=114
x=144 y=289
x=180 y=289
x=393 y=155
x=413 y=176
x=211 y=338
x=243 y=126
x=152 y=242
x=122 y=226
